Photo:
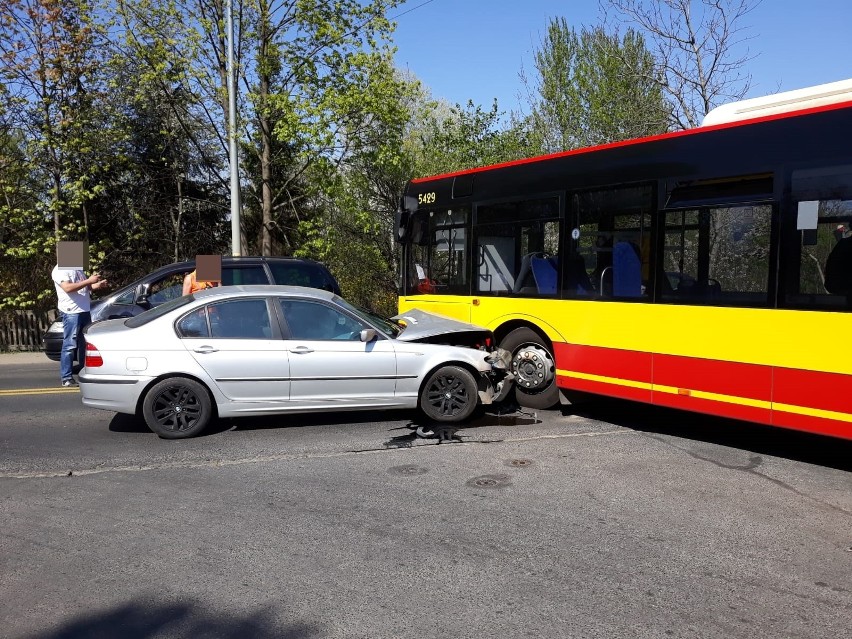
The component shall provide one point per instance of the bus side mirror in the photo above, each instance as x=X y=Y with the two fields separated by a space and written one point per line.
x=402 y=220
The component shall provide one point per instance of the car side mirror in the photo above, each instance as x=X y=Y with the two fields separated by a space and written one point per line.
x=368 y=335
x=142 y=297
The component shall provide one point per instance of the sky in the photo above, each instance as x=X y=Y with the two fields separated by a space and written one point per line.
x=475 y=49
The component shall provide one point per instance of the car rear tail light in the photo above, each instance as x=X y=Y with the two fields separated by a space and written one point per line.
x=93 y=356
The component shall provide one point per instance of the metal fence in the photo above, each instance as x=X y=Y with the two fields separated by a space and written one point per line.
x=23 y=330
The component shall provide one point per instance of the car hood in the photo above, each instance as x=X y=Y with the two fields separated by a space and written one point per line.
x=420 y=325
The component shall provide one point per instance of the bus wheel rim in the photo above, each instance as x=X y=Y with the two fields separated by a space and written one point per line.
x=533 y=368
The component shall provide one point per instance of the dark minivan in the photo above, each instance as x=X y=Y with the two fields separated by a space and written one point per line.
x=166 y=283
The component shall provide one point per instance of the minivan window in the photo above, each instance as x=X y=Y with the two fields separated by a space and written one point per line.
x=168 y=288
x=240 y=275
x=304 y=274
x=126 y=298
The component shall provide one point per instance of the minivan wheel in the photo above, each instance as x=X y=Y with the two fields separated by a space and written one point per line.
x=177 y=407
x=449 y=395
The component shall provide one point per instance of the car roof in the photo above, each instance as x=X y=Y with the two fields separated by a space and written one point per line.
x=231 y=260
x=227 y=260
x=248 y=290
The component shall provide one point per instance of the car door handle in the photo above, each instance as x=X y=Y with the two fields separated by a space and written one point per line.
x=301 y=349
x=205 y=349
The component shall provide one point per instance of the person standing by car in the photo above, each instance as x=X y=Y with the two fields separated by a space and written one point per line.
x=192 y=284
x=73 y=290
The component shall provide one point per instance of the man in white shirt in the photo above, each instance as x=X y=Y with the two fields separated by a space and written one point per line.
x=72 y=291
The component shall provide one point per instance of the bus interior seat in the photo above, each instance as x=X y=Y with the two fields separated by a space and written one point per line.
x=522 y=283
x=544 y=274
x=576 y=277
x=626 y=271
x=707 y=289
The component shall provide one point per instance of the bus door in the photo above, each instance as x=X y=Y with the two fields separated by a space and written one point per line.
x=608 y=251
x=437 y=272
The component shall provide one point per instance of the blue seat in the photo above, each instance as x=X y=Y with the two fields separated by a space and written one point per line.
x=544 y=273
x=626 y=271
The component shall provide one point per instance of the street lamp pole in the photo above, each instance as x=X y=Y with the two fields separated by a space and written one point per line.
x=232 y=137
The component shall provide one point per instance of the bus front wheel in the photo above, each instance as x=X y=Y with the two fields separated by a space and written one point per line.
x=534 y=369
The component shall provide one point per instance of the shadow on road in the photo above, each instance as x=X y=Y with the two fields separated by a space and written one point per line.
x=134 y=621
x=298 y=420
x=121 y=423
x=767 y=440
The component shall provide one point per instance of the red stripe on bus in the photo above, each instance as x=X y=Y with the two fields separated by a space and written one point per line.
x=753 y=381
x=606 y=362
x=813 y=389
x=810 y=424
x=808 y=390
x=711 y=407
x=604 y=388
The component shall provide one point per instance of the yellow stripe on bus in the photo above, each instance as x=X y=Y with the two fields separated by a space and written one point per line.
x=605 y=380
x=716 y=397
x=812 y=412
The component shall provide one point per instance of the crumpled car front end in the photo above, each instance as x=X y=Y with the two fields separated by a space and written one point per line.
x=430 y=328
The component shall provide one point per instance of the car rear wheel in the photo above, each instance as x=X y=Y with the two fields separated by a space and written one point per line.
x=177 y=407
x=534 y=369
x=449 y=395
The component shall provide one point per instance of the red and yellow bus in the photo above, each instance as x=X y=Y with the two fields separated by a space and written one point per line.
x=708 y=270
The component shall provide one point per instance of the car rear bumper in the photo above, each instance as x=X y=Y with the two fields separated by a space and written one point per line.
x=118 y=393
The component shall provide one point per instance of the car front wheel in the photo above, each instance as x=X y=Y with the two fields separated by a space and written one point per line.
x=449 y=395
x=177 y=407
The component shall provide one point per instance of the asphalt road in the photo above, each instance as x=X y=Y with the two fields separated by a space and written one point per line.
x=617 y=521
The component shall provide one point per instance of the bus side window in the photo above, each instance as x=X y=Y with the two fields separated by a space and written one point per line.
x=718 y=255
x=517 y=247
x=821 y=275
x=609 y=255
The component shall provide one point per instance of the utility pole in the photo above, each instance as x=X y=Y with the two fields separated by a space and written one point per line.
x=232 y=137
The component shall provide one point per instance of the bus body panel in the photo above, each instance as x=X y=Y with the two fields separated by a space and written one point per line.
x=764 y=362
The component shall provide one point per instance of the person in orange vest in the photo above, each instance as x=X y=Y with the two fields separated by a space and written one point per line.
x=192 y=285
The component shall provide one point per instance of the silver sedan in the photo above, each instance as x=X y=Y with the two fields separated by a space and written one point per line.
x=265 y=350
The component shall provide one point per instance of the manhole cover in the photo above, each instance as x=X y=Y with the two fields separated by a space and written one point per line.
x=519 y=463
x=408 y=470
x=489 y=481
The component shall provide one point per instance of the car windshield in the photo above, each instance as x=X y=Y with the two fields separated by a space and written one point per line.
x=386 y=326
x=158 y=311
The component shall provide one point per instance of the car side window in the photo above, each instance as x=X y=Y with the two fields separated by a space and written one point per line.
x=240 y=319
x=165 y=289
x=194 y=324
x=244 y=275
x=315 y=321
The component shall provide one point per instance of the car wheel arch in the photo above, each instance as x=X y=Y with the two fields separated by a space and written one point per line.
x=171 y=375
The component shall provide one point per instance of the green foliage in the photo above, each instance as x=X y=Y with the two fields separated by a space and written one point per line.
x=457 y=138
x=593 y=88
x=113 y=127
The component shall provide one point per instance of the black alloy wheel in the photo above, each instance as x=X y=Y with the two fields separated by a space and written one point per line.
x=177 y=407
x=449 y=395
